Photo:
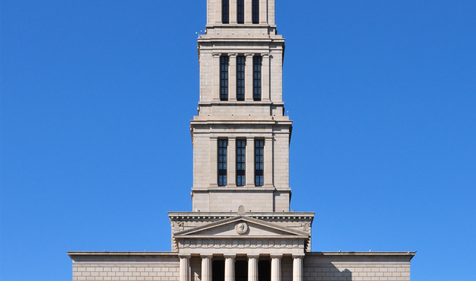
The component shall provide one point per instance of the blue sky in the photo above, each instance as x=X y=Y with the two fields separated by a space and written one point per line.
x=96 y=98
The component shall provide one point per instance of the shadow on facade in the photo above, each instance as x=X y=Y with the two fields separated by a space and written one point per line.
x=315 y=269
x=324 y=270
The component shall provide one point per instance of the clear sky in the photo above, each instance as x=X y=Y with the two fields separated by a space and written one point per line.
x=96 y=98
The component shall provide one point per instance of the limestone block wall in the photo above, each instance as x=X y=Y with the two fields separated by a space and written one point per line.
x=125 y=266
x=351 y=266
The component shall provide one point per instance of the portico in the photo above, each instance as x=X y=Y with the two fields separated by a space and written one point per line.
x=246 y=247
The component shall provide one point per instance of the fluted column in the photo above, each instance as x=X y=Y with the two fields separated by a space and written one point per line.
x=184 y=268
x=253 y=268
x=206 y=268
x=298 y=268
x=275 y=268
x=232 y=78
x=229 y=268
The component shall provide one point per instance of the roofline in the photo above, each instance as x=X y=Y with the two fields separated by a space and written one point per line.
x=234 y=214
x=174 y=254
x=71 y=254
x=182 y=234
x=410 y=254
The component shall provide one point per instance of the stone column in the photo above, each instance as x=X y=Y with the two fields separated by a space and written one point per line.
x=232 y=78
x=263 y=11
x=248 y=11
x=229 y=268
x=275 y=268
x=213 y=161
x=268 y=161
x=271 y=12
x=216 y=77
x=253 y=268
x=265 y=78
x=298 y=267
x=250 y=162
x=206 y=268
x=249 y=77
x=233 y=11
x=218 y=7
x=231 y=162
x=184 y=268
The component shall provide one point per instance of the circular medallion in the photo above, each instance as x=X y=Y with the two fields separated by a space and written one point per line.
x=241 y=228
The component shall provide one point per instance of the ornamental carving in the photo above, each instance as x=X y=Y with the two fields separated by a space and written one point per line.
x=241 y=228
x=242 y=243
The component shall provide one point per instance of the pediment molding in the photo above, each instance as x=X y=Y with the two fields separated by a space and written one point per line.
x=240 y=227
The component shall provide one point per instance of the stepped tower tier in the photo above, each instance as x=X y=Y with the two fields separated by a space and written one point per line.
x=241 y=136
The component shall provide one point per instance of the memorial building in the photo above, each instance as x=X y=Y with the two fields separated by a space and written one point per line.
x=240 y=227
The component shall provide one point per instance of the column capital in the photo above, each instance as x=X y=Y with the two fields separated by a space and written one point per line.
x=249 y=54
x=216 y=55
x=206 y=256
x=252 y=256
x=300 y=256
x=276 y=256
x=232 y=54
x=266 y=55
x=182 y=256
x=229 y=256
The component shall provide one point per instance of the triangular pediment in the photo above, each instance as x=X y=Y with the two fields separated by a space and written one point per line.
x=241 y=226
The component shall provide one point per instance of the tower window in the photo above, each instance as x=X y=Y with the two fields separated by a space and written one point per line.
x=257 y=78
x=222 y=153
x=259 y=162
x=224 y=78
x=240 y=162
x=241 y=11
x=256 y=11
x=240 y=78
x=225 y=8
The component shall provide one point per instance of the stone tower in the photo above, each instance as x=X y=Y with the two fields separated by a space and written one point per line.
x=241 y=138
x=240 y=227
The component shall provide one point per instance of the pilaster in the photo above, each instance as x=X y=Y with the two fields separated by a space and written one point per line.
x=268 y=161
x=216 y=77
x=232 y=77
x=249 y=77
x=213 y=161
x=231 y=162
x=250 y=165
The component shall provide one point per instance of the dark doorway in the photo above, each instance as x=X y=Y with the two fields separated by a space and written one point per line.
x=218 y=270
x=264 y=270
x=241 y=270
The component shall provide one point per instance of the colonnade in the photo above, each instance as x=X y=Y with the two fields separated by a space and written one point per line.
x=250 y=164
x=206 y=267
x=265 y=76
x=266 y=12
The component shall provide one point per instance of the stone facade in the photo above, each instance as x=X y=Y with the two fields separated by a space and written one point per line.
x=241 y=227
x=328 y=266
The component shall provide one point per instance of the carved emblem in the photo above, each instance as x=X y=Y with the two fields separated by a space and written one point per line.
x=241 y=210
x=241 y=228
